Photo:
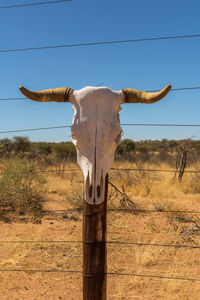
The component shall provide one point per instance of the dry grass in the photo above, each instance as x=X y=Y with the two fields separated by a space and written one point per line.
x=157 y=191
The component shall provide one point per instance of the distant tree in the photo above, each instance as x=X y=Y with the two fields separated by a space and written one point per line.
x=44 y=148
x=64 y=151
x=6 y=147
x=172 y=144
x=21 y=145
x=164 y=141
x=156 y=145
x=143 y=148
x=197 y=149
x=126 y=146
x=126 y=150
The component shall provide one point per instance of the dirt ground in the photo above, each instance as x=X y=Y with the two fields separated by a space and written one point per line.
x=41 y=254
x=47 y=252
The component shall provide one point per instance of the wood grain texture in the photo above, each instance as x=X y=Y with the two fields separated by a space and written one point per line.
x=94 y=249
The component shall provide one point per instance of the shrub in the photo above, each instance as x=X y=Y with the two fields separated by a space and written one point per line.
x=126 y=146
x=21 y=145
x=75 y=197
x=20 y=185
x=6 y=147
x=65 y=151
x=126 y=150
x=44 y=148
x=194 y=184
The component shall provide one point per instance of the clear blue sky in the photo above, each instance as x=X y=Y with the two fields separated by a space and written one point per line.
x=143 y=65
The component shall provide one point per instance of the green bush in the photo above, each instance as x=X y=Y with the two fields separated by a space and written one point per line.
x=126 y=146
x=21 y=145
x=20 y=185
x=6 y=147
x=65 y=151
x=44 y=148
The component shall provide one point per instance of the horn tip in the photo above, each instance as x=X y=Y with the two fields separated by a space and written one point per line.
x=24 y=91
x=21 y=88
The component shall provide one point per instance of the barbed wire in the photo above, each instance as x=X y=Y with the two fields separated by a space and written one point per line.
x=33 y=4
x=114 y=210
x=35 y=129
x=103 y=242
x=102 y=43
x=153 y=170
x=42 y=171
x=160 y=125
x=130 y=169
x=153 y=276
x=123 y=124
x=112 y=169
x=151 y=91
x=107 y=273
x=41 y=271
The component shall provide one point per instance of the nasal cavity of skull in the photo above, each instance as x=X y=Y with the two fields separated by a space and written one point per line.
x=100 y=187
x=98 y=191
x=90 y=191
x=89 y=187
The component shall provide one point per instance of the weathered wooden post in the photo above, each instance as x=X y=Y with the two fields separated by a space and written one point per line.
x=94 y=249
x=96 y=133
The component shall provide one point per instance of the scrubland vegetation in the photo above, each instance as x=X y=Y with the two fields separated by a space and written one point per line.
x=39 y=181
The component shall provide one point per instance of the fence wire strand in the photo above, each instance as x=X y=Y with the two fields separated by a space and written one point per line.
x=122 y=124
x=102 y=43
x=106 y=242
x=107 y=273
x=112 y=169
x=65 y=211
x=33 y=4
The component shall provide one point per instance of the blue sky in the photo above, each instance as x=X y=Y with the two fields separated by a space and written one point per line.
x=144 y=65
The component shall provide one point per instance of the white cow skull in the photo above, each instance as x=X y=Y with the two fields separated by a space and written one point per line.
x=96 y=128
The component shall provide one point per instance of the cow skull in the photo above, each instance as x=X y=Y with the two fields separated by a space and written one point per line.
x=96 y=128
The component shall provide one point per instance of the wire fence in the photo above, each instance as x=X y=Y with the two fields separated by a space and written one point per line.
x=112 y=170
x=131 y=243
x=117 y=210
x=123 y=124
x=105 y=242
x=34 y=4
x=103 y=43
x=111 y=242
x=107 y=273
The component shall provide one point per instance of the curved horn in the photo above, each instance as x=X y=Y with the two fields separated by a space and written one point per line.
x=135 y=96
x=58 y=94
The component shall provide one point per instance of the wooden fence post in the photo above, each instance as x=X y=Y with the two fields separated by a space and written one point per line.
x=94 y=249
